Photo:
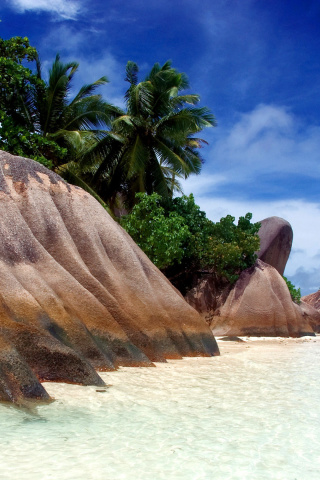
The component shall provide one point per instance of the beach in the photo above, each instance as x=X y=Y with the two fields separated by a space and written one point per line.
x=240 y=345
x=252 y=413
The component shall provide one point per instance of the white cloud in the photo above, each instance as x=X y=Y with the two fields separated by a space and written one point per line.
x=67 y=9
x=267 y=140
x=90 y=67
x=106 y=65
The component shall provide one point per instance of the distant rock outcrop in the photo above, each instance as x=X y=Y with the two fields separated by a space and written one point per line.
x=260 y=305
x=275 y=242
x=311 y=314
x=76 y=293
x=313 y=299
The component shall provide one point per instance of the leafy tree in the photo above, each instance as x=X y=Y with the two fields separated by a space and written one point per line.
x=294 y=292
x=231 y=248
x=38 y=119
x=189 y=242
x=154 y=141
x=17 y=84
x=160 y=235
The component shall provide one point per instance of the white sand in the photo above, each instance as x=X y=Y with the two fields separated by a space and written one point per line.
x=228 y=347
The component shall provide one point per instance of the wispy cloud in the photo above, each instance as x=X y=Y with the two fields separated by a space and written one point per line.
x=267 y=153
x=66 y=9
x=267 y=144
x=269 y=139
x=91 y=66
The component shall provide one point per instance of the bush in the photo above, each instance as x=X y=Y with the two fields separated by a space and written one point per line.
x=159 y=234
x=180 y=239
x=294 y=292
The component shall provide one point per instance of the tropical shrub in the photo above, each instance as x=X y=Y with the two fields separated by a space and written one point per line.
x=160 y=234
x=179 y=238
x=294 y=292
x=17 y=86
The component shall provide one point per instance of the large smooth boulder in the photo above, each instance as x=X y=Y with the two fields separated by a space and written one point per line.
x=275 y=242
x=76 y=293
x=260 y=304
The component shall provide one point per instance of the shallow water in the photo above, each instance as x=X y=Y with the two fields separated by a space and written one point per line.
x=248 y=415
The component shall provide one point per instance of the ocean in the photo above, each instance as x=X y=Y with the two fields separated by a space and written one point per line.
x=252 y=413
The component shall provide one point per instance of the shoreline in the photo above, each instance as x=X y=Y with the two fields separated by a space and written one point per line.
x=241 y=344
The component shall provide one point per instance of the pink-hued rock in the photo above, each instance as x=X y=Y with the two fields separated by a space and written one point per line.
x=260 y=305
x=275 y=242
x=76 y=293
x=313 y=299
x=311 y=314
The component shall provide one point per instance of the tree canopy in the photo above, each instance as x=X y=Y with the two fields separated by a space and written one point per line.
x=38 y=118
x=180 y=239
x=17 y=87
x=154 y=142
x=112 y=153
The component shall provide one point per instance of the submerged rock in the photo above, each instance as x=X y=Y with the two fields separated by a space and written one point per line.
x=275 y=242
x=76 y=293
x=260 y=304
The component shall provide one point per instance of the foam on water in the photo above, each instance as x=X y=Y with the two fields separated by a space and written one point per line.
x=248 y=415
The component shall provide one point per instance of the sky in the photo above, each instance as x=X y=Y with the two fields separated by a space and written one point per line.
x=255 y=64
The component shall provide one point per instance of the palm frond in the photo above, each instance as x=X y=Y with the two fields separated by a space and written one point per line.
x=88 y=90
x=137 y=155
x=132 y=73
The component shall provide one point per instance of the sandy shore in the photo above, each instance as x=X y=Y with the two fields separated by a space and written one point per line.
x=241 y=344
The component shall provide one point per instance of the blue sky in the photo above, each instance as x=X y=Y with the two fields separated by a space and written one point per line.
x=255 y=64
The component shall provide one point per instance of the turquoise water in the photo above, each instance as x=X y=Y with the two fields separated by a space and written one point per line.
x=250 y=414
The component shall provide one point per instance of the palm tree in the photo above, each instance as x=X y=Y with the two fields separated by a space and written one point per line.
x=75 y=124
x=153 y=143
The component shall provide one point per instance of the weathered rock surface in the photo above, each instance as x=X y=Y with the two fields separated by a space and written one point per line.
x=311 y=314
x=275 y=242
x=76 y=293
x=313 y=299
x=260 y=305
x=206 y=296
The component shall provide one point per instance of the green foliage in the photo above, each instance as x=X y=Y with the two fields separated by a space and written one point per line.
x=178 y=237
x=16 y=80
x=231 y=248
x=155 y=140
x=161 y=236
x=294 y=292
x=20 y=141
x=19 y=132
x=200 y=228
x=114 y=153
x=38 y=119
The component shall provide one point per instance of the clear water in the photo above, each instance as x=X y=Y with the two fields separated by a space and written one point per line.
x=253 y=414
